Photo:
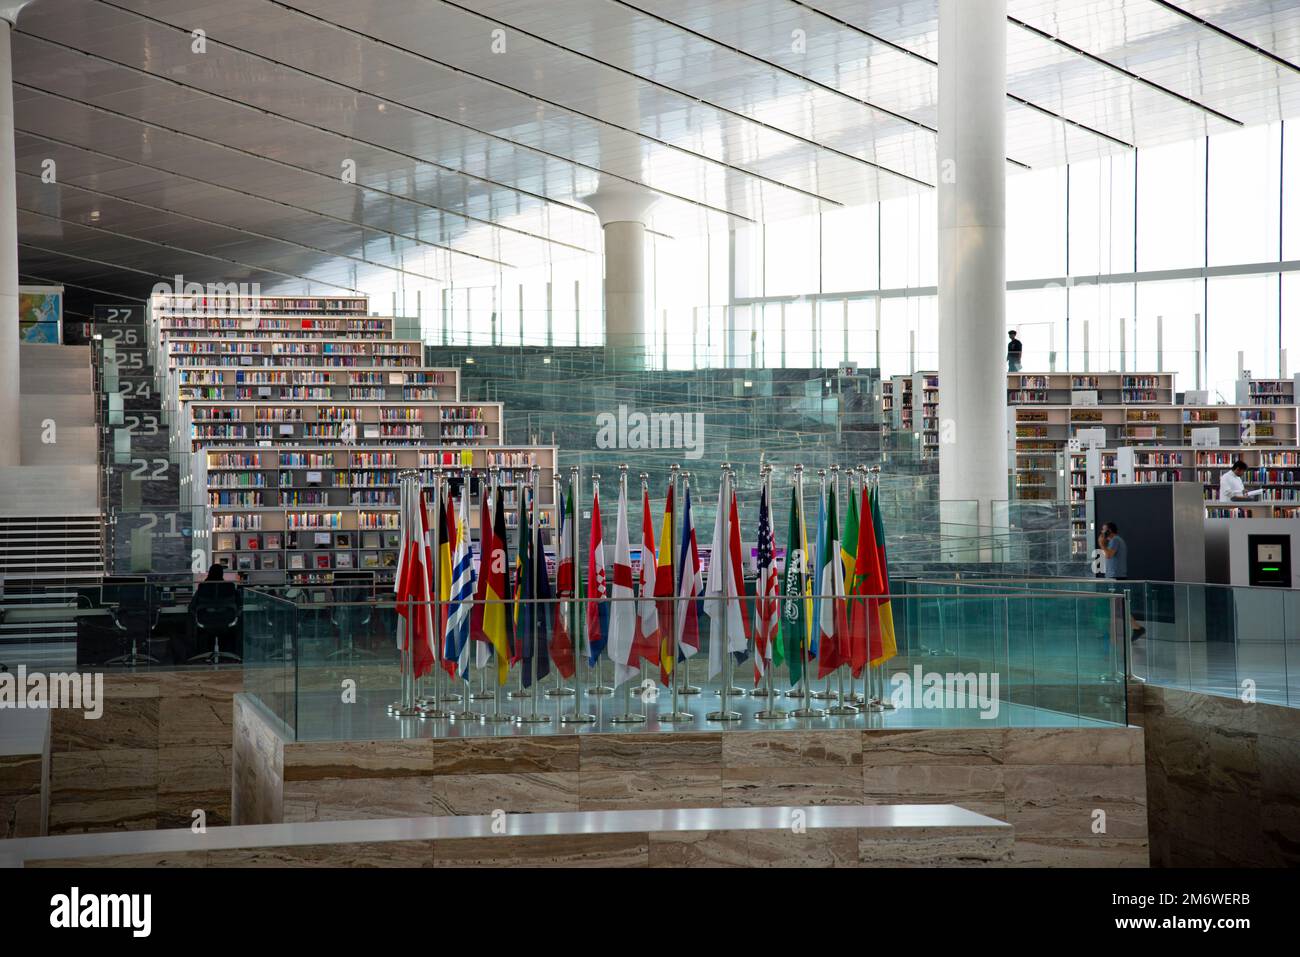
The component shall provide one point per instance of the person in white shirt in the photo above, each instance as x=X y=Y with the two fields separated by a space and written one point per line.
x=1231 y=487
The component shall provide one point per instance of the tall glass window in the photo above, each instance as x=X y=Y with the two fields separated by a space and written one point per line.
x=1171 y=206
x=1244 y=195
x=1036 y=224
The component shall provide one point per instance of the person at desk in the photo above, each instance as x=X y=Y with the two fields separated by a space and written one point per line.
x=1231 y=486
x=215 y=609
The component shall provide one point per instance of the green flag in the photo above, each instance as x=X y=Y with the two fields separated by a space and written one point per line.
x=793 y=624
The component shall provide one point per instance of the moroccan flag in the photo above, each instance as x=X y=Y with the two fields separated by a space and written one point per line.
x=622 y=612
x=562 y=641
x=814 y=561
x=888 y=643
x=849 y=545
x=833 y=646
x=663 y=590
x=765 y=643
x=794 y=608
x=690 y=585
x=864 y=618
x=645 y=644
x=597 y=606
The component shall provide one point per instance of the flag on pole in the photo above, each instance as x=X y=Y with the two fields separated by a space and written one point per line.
x=864 y=618
x=663 y=589
x=689 y=587
x=501 y=537
x=413 y=588
x=849 y=544
x=542 y=592
x=456 y=643
x=736 y=565
x=521 y=602
x=815 y=577
x=765 y=606
x=562 y=650
x=446 y=548
x=832 y=650
x=622 y=614
x=723 y=590
x=888 y=642
x=478 y=610
x=490 y=616
x=794 y=608
x=645 y=644
x=597 y=606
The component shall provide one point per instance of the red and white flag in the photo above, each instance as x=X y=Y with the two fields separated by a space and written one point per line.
x=413 y=588
x=622 y=612
x=645 y=646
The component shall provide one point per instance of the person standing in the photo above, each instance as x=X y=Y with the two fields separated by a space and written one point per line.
x=1231 y=486
x=1014 y=348
x=1114 y=552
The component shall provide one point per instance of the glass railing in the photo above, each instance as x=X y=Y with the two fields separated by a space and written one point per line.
x=1226 y=640
x=992 y=657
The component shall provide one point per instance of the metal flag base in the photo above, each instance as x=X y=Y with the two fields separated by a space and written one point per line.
x=689 y=689
x=630 y=718
x=519 y=693
x=577 y=719
x=733 y=691
x=763 y=693
x=723 y=716
x=559 y=692
x=795 y=693
x=467 y=715
x=449 y=698
x=772 y=714
x=675 y=717
x=825 y=695
x=432 y=711
x=842 y=710
x=875 y=704
x=600 y=690
x=481 y=696
x=807 y=713
x=533 y=718
x=400 y=711
x=498 y=717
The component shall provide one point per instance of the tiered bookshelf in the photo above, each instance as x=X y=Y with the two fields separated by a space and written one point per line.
x=902 y=403
x=167 y=305
x=293 y=422
x=268 y=383
x=299 y=514
x=243 y=351
x=275 y=327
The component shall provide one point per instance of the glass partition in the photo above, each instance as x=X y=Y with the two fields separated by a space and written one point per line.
x=987 y=657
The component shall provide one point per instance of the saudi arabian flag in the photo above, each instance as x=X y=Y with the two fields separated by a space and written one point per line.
x=794 y=628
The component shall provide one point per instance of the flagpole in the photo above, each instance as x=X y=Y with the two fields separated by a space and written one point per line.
x=806 y=710
x=534 y=716
x=498 y=715
x=482 y=694
x=598 y=688
x=446 y=682
x=764 y=486
x=409 y=489
x=842 y=708
x=879 y=701
x=628 y=716
x=724 y=502
x=687 y=687
x=853 y=697
x=640 y=662
x=578 y=716
x=792 y=549
x=431 y=709
x=467 y=713
x=825 y=694
x=557 y=488
x=771 y=712
x=674 y=678
x=521 y=506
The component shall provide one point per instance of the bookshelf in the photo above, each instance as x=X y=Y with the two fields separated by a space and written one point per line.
x=293 y=422
x=299 y=514
x=275 y=327
x=273 y=383
x=1256 y=392
x=925 y=411
x=168 y=305
x=1090 y=388
x=246 y=351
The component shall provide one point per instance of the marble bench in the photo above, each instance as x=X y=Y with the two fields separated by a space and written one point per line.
x=920 y=835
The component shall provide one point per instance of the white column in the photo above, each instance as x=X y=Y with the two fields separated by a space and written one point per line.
x=972 y=257
x=622 y=210
x=10 y=427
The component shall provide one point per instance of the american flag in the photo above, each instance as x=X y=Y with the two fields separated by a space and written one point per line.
x=766 y=606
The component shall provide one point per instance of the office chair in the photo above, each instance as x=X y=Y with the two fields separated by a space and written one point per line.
x=216 y=610
x=135 y=611
x=348 y=619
